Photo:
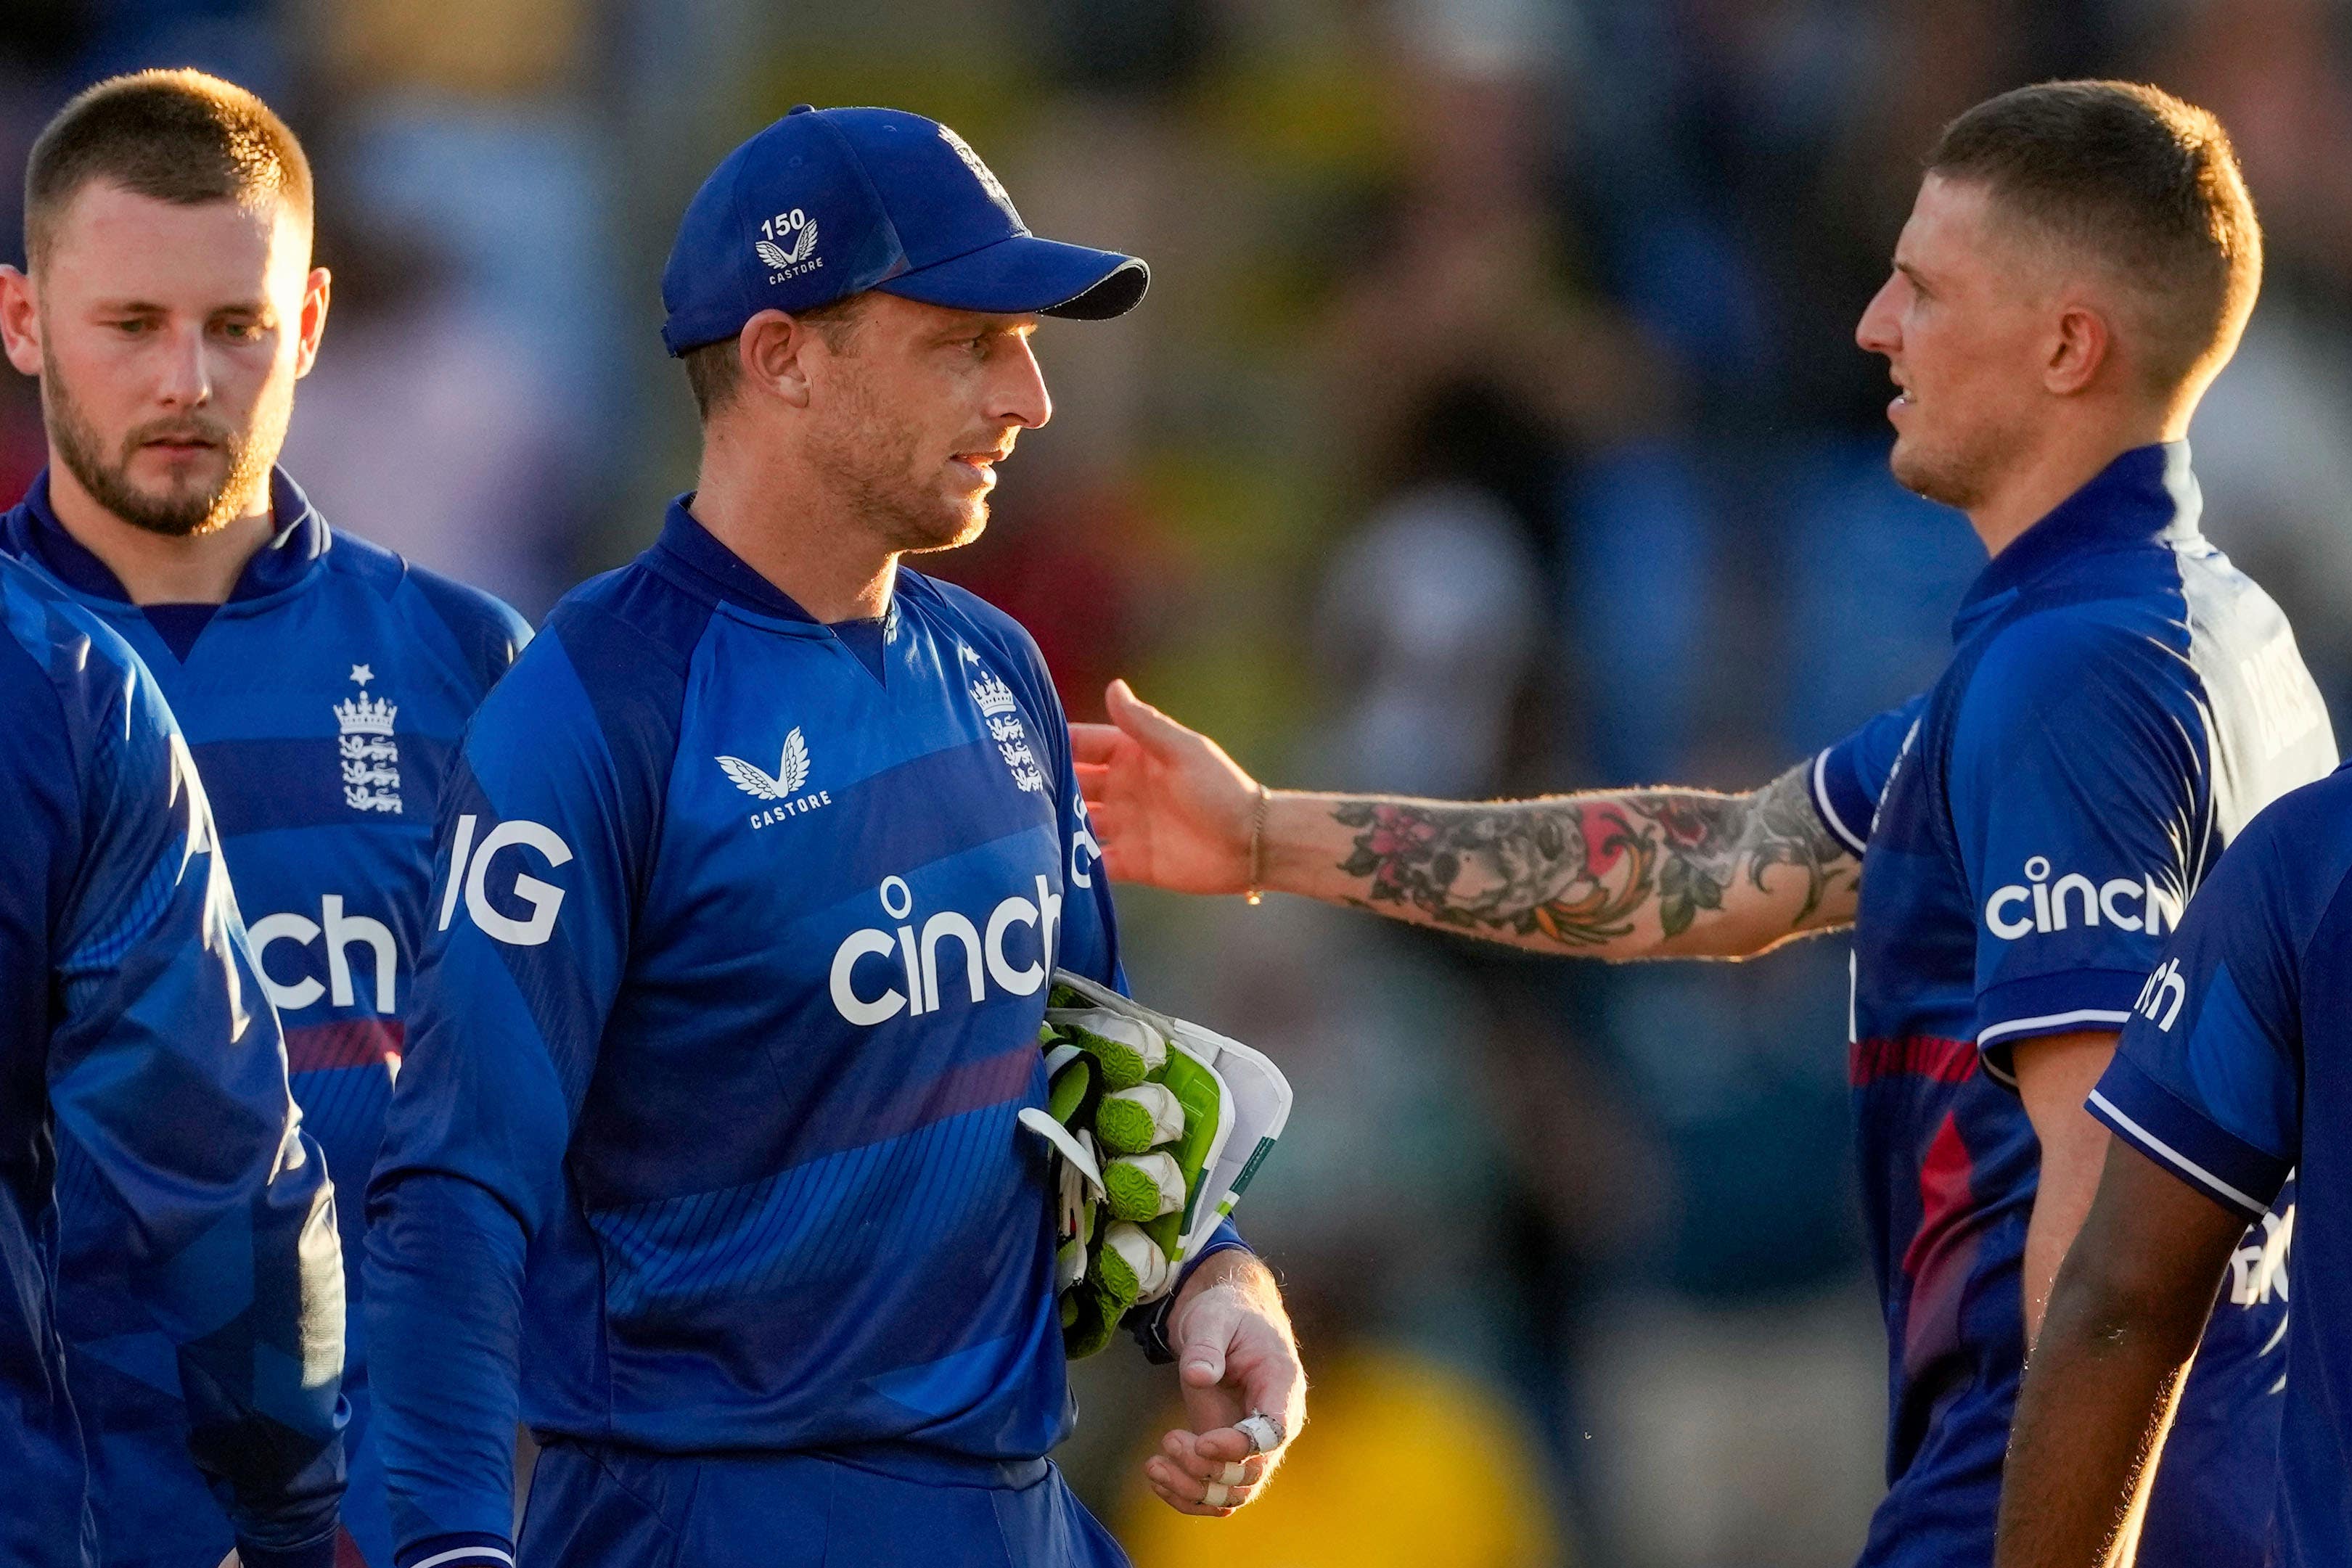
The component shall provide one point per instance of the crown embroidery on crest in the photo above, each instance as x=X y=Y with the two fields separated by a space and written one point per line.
x=368 y=756
x=1002 y=712
x=365 y=716
x=994 y=696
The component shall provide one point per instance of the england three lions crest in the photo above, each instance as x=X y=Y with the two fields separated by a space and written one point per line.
x=365 y=750
x=1002 y=716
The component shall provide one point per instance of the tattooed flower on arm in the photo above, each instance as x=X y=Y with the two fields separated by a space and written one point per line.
x=1628 y=871
x=1627 y=874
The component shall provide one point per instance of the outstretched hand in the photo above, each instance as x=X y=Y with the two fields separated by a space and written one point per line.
x=1244 y=1390
x=1166 y=804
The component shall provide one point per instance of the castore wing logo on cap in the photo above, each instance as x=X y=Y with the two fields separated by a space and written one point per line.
x=788 y=244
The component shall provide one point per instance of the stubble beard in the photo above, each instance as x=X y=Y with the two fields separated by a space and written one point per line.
x=1958 y=479
x=874 y=461
x=186 y=511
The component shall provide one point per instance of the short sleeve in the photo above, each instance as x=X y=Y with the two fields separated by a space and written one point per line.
x=2078 y=791
x=2207 y=1080
x=1848 y=777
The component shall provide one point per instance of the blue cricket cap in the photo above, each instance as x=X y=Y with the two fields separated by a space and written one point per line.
x=827 y=203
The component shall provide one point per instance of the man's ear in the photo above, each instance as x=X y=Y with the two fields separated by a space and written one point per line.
x=317 y=290
x=774 y=349
x=20 y=320
x=2078 y=348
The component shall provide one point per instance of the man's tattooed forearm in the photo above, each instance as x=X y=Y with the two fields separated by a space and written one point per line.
x=1579 y=870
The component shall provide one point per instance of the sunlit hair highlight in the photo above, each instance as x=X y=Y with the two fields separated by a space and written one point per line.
x=176 y=136
x=2138 y=180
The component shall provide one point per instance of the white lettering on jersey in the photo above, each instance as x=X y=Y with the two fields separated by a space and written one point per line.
x=2286 y=704
x=2258 y=1270
x=544 y=897
x=1083 y=845
x=2039 y=905
x=2160 y=999
x=978 y=954
x=341 y=932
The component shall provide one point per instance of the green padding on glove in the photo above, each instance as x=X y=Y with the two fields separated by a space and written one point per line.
x=1195 y=1087
x=1142 y=1187
x=1130 y=1265
x=1090 y=1321
x=1127 y=1049
x=1134 y=1120
x=1070 y=1086
x=1119 y=1080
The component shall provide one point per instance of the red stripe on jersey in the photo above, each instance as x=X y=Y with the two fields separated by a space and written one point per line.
x=344 y=1042
x=1943 y=1252
x=1914 y=1056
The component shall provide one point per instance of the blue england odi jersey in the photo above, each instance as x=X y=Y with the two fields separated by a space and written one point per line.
x=2236 y=1070
x=131 y=1026
x=2120 y=701
x=322 y=705
x=741 y=940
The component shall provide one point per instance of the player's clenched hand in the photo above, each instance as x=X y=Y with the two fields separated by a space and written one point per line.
x=1244 y=1391
x=1168 y=806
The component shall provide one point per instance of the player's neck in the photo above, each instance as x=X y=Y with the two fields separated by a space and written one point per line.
x=161 y=569
x=827 y=563
x=2069 y=457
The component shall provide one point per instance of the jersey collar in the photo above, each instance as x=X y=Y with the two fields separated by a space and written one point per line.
x=2146 y=495
x=287 y=557
x=685 y=541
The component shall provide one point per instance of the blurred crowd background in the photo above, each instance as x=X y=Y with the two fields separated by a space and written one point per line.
x=1493 y=426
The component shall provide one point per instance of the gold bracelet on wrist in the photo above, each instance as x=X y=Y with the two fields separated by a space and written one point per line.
x=1255 y=893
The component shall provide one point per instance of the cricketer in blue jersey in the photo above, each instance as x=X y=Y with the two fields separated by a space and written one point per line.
x=2120 y=701
x=322 y=705
x=704 y=1161
x=322 y=683
x=2229 y=1083
x=131 y=1021
x=2010 y=847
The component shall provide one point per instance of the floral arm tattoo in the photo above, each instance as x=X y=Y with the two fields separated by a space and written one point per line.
x=1582 y=870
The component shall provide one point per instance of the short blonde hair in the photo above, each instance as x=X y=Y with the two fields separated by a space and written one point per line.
x=2141 y=180
x=176 y=136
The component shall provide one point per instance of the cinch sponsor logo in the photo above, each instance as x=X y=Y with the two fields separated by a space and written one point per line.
x=2129 y=903
x=910 y=958
x=1083 y=846
x=2258 y=1270
x=469 y=869
x=2160 y=999
x=341 y=932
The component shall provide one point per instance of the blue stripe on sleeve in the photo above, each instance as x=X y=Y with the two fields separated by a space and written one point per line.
x=2051 y=1004
x=462 y=1548
x=1845 y=806
x=2159 y=1125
